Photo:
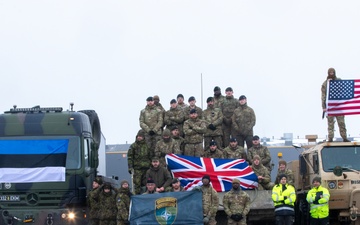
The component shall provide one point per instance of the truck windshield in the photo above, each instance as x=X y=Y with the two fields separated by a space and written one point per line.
x=348 y=157
x=73 y=153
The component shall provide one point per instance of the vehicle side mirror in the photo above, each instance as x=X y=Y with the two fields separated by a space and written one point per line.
x=338 y=171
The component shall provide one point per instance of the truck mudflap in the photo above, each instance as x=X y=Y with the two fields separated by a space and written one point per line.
x=43 y=217
x=261 y=208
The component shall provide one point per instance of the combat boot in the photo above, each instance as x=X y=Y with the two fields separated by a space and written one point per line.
x=346 y=140
x=330 y=140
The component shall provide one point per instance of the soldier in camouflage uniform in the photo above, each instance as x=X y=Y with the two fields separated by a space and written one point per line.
x=331 y=119
x=151 y=121
x=262 y=173
x=175 y=134
x=236 y=204
x=108 y=210
x=93 y=202
x=218 y=97
x=157 y=103
x=139 y=160
x=194 y=129
x=210 y=201
x=213 y=116
x=180 y=100
x=166 y=146
x=192 y=105
x=174 y=117
x=262 y=151
x=243 y=121
x=159 y=174
x=175 y=186
x=228 y=107
x=123 y=203
x=284 y=170
x=214 y=152
x=234 y=151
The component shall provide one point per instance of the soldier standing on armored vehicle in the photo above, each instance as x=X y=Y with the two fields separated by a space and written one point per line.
x=194 y=129
x=236 y=204
x=243 y=121
x=166 y=146
x=262 y=173
x=213 y=116
x=318 y=198
x=159 y=174
x=192 y=105
x=123 y=203
x=218 y=97
x=175 y=134
x=214 y=152
x=210 y=200
x=151 y=121
x=180 y=100
x=331 y=119
x=139 y=160
x=93 y=202
x=262 y=151
x=234 y=151
x=228 y=107
x=174 y=117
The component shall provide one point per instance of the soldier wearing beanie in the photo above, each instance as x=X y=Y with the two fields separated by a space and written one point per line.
x=218 y=97
x=284 y=197
x=174 y=117
x=159 y=174
x=331 y=119
x=157 y=103
x=150 y=186
x=214 y=118
x=236 y=204
x=262 y=173
x=139 y=160
x=123 y=203
x=213 y=151
x=284 y=170
x=228 y=107
x=166 y=145
x=92 y=202
x=318 y=198
x=210 y=201
x=107 y=200
x=151 y=121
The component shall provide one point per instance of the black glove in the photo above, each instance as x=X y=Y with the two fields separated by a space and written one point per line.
x=130 y=171
x=233 y=217
x=126 y=222
x=316 y=201
x=239 y=217
x=212 y=127
x=151 y=132
x=285 y=197
x=282 y=201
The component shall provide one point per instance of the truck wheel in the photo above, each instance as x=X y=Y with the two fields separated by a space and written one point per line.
x=95 y=124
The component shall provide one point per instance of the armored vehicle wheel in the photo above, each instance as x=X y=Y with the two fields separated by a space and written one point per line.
x=95 y=124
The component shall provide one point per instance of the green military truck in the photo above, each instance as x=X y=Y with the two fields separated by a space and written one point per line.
x=48 y=160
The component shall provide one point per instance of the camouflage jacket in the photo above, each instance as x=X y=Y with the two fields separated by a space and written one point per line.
x=210 y=200
x=162 y=148
x=139 y=155
x=217 y=154
x=236 y=202
x=151 y=118
x=234 y=153
x=180 y=142
x=93 y=205
x=174 y=117
x=243 y=120
x=171 y=189
x=290 y=176
x=218 y=101
x=213 y=116
x=199 y=111
x=194 y=130
x=123 y=203
x=228 y=107
x=160 y=175
x=107 y=202
x=261 y=170
x=261 y=151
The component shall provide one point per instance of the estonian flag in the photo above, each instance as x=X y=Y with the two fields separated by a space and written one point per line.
x=28 y=161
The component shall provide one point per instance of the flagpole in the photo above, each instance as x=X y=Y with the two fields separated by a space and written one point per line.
x=202 y=97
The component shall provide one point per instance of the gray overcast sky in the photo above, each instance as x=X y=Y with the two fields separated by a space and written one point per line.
x=111 y=55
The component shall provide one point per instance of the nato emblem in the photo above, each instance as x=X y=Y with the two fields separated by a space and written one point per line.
x=166 y=210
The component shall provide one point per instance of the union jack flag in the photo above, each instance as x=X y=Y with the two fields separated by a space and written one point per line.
x=190 y=171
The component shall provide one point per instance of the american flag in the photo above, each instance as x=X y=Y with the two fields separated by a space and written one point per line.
x=343 y=97
x=190 y=171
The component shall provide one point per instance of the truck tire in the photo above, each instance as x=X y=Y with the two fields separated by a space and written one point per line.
x=95 y=125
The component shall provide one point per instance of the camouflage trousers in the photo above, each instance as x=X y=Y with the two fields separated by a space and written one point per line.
x=243 y=138
x=139 y=179
x=94 y=222
x=341 y=123
x=228 y=132
x=151 y=141
x=108 y=222
x=121 y=222
x=217 y=139
x=194 y=150
x=233 y=222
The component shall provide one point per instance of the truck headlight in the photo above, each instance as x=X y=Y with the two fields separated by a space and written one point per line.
x=332 y=185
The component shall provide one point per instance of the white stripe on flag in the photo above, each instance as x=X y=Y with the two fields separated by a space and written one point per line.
x=32 y=175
